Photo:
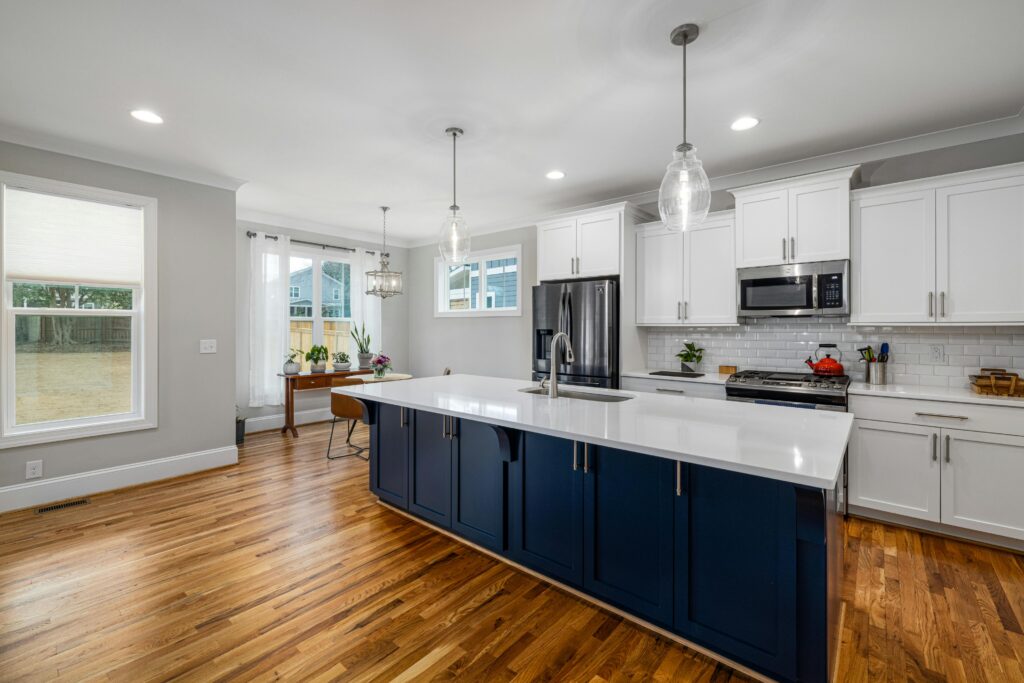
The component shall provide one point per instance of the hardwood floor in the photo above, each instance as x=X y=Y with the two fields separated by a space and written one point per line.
x=285 y=568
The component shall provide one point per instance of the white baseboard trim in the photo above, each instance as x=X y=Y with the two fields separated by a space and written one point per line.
x=265 y=422
x=35 y=493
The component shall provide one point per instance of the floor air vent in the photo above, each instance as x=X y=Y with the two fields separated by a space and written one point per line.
x=62 y=506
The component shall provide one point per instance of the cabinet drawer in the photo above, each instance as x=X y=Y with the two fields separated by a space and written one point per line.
x=674 y=387
x=321 y=382
x=945 y=414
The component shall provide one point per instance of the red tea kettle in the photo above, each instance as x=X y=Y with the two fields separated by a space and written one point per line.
x=827 y=366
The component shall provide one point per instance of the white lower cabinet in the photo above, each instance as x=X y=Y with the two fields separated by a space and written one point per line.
x=955 y=477
x=673 y=387
x=981 y=482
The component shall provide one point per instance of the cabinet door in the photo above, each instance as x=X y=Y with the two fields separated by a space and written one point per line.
x=819 y=222
x=598 y=244
x=556 y=250
x=546 y=507
x=762 y=229
x=735 y=566
x=389 y=455
x=709 y=275
x=627 y=540
x=478 y=485
x=893 y=260
x=894 y=467
x=980 y=237
x=430 y=469
x=981 y=482
x=659 y=276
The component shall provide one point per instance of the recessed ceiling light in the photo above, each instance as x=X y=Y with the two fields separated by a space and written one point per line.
x=147 y=116
x=744 y=123
x=554 y=175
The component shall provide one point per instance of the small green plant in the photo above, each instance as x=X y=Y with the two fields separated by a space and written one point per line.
x=339 y=357
x=362 y=338
x=691 y=353
x=293 y=354
x=317 y=354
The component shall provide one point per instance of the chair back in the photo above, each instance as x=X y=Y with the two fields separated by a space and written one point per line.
x=345 y=407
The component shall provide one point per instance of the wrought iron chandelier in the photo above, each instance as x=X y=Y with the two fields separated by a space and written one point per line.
x=384 y=282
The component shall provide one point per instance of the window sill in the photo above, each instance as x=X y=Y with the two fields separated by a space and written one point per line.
x=53 y=434
x=477 y=314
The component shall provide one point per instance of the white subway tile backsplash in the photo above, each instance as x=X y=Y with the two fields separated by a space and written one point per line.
x=776 y=344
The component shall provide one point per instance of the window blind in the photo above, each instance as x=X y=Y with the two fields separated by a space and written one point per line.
x=52 y=238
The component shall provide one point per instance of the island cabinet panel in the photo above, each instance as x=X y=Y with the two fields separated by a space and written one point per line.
x=389 y=454
x=479 y=473
x=546 y=507
x=735 y=568
x=627 y=523
x=430 y=468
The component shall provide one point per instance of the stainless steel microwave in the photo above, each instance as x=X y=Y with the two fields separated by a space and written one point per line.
x=821 y=288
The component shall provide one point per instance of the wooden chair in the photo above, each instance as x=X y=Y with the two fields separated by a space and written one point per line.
x=346 y=408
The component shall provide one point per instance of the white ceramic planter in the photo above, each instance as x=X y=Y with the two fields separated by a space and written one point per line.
x=341 y=367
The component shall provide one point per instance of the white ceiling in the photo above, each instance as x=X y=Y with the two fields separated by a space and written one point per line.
x=327 y=109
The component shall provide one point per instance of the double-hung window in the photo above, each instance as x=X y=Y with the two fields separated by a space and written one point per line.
x=79 y=317
x=320 y=301
x=488 y=283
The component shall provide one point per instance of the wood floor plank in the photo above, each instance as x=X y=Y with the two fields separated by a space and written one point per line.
x=284 y=567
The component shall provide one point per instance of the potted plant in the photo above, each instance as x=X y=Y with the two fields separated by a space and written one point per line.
x=317 y=357
x=291 y=366
x=381 y=364
x=340 y=361
x=690 y=357
x=363 y=345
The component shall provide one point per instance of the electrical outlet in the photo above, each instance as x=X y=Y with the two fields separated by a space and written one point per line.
x=207 y=346
x=33 y=469
x=936 y=353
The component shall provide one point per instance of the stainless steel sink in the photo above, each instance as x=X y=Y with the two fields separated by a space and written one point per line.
x=585 y=395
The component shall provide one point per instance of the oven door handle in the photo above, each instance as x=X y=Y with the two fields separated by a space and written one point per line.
x=787 y=404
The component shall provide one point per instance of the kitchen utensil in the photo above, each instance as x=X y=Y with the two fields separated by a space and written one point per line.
x=827 y=366
x=883 y=353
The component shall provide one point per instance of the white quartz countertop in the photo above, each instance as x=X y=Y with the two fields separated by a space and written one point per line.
x=709 y=378
x=925 y=393
x=786 y=444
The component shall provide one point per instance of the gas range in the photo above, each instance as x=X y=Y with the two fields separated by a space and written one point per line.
x=797 y=389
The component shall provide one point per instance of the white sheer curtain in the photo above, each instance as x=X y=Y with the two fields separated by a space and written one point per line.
x=268 y=318
x=366 y=308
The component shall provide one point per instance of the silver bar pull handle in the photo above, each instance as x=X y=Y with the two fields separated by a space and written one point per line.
x=679 y=310
x=947 y=448
x=792 y=247
x=783 y=248
x=444 y=426
x=669 y=391
x=686 y=310
x=942 y=304
x=575 y=456
x=951 y=417
x=679 y=478
x=586 y=458
x=931 y=304
x=935 y=447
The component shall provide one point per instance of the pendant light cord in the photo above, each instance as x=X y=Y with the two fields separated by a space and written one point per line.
x=684 y=90
x=455 y=204
x=384 y=232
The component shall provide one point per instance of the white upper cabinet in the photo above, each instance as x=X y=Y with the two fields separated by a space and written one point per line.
x=980 y=251
x=893 y=259
x=709 y=272
x=659 y=275
x=945 y=250
x=797 y=220
x=582 y=245
x=686 y=278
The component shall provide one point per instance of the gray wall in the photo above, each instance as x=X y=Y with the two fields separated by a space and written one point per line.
x=497 y=346
x=196 y=226
x=394 y=315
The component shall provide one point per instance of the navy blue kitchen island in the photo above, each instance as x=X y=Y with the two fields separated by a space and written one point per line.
x=743 y=566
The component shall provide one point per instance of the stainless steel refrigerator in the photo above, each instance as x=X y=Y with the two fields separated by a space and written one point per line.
x=588 y=311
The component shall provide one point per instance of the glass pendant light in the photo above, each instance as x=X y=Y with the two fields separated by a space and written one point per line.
x=685 y=193
x=384 y=282
x=454 y=240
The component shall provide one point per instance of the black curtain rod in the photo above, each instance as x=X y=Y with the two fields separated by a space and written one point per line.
x=250 y=234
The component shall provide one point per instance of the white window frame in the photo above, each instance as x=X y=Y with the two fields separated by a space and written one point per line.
x=441 y=285
x=294 y=291
x=317 y=257
x=144 y=414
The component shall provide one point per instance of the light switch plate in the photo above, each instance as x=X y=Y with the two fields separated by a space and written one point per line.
x=33 y=469
x=207 y=346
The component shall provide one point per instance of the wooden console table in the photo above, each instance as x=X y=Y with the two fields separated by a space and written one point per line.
x=304 y=381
